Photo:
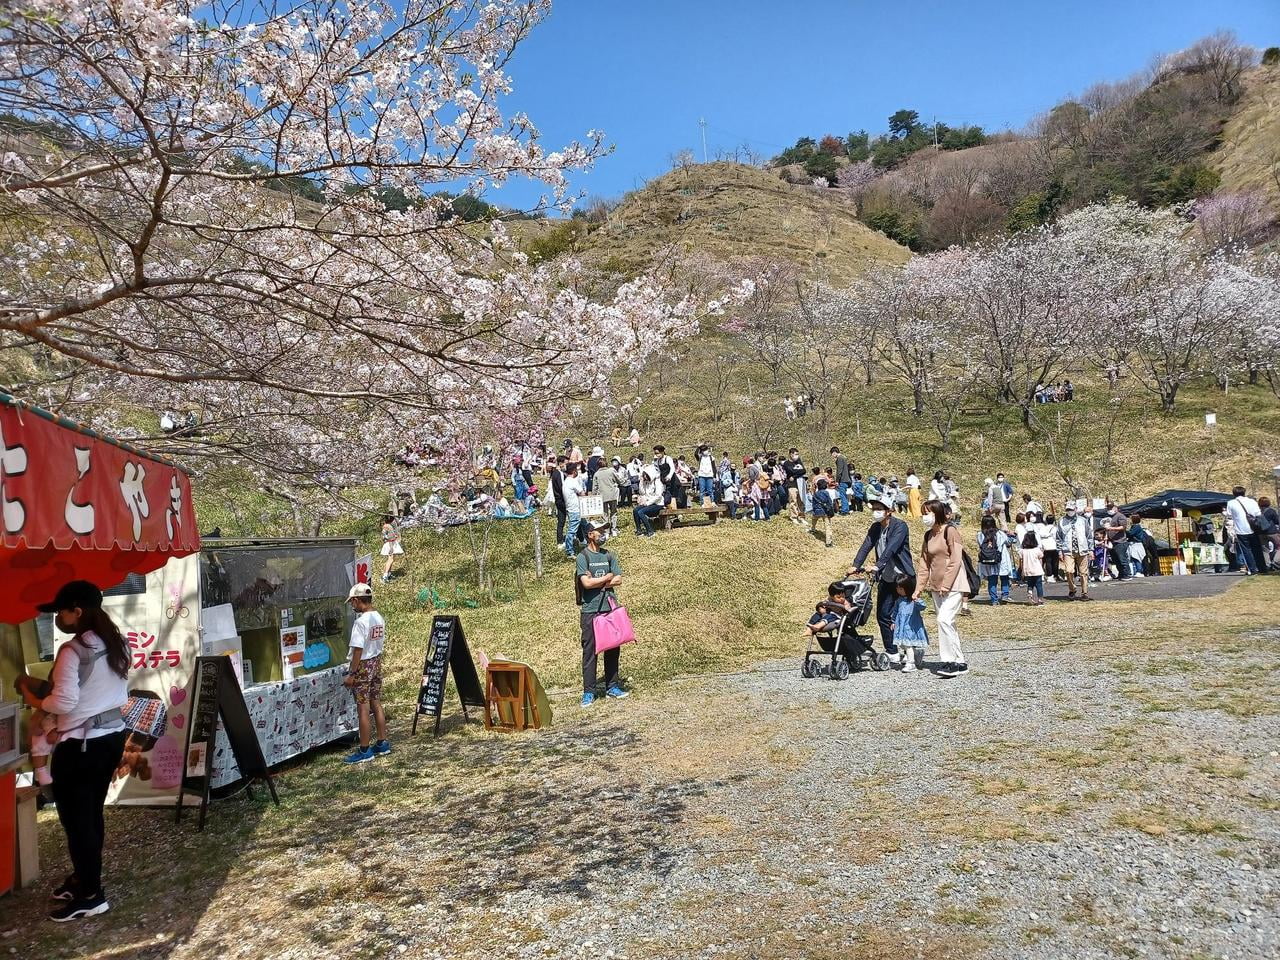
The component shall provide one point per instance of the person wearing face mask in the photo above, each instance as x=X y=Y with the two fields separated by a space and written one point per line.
x=1074 y=536
x=89 y=689
x=943 y=574
x=891 y=539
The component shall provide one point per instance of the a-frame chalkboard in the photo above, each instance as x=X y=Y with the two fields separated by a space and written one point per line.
x=447 y=648
x=217 y=693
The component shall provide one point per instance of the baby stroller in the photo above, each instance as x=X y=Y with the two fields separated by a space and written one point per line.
x=847 y=649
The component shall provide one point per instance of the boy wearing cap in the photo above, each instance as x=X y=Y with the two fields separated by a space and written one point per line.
x=364 y=677
x=597 y=574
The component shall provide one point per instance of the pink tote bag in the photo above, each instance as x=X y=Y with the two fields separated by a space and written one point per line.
x=613 y=629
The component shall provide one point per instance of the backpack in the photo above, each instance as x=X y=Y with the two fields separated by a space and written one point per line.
x=1260 y=522
x=989 y=551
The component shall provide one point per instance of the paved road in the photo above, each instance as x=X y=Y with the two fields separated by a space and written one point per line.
x=1144 y=588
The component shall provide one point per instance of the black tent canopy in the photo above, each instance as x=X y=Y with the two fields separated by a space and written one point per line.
x=1160 y=506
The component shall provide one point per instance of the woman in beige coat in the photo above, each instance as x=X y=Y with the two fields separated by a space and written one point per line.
x=941 y=571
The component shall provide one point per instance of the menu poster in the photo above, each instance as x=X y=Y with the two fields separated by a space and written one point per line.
x=293 y=647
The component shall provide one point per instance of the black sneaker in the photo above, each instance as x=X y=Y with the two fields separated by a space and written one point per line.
x=954 y=670
x=81 y=908
x=65 y=890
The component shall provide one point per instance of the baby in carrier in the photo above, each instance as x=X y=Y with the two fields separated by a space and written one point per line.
x=42 y=728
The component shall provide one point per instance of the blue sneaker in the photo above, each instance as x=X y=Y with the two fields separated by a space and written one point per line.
x=616 y=693
x=588 y=699
x=382 y=748
x=360 y=756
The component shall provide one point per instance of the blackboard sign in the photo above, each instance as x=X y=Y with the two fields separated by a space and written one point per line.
x=217 y=694
x=447 y=648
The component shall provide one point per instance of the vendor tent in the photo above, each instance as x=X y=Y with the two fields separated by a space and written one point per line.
x=1161 y=506
x=75 y=505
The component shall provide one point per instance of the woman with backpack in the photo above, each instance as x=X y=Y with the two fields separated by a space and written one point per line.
x=994 y=563
x=89 y=688
x=942 y=573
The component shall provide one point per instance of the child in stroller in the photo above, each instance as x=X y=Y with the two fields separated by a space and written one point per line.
x=834 y=630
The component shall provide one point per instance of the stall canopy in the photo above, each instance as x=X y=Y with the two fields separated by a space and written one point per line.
x=1161 y=506
x=79 y=506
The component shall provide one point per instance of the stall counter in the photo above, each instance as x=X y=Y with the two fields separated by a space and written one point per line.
x=291 y=717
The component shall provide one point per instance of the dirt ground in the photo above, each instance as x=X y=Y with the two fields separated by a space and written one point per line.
x=1103 y=785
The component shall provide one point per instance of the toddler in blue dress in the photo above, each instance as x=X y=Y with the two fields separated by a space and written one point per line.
x=909 y=633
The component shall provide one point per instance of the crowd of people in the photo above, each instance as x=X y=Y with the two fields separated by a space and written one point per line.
x=1078 y=542
x=1063 y=392
x=1020 y=541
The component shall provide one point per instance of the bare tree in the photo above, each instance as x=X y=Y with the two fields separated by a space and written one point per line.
x=1221 y=57
x=712 y=382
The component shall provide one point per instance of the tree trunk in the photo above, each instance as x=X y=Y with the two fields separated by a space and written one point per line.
x=917 y=393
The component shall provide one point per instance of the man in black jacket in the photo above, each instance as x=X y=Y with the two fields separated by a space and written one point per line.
x=796 y=473
x=557 y=493
x=891 y=538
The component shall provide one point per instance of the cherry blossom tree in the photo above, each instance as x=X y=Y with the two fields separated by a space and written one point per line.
x=1227 y=220
x=232 y=207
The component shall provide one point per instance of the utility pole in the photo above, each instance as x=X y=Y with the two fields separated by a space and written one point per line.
x=935 y=134
x=702 y=122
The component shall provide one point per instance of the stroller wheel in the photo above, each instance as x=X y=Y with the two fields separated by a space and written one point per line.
x=842 y=670
x=880 y=661
x=809 y=669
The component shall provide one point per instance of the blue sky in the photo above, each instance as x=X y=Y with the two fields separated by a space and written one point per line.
x=644 y=71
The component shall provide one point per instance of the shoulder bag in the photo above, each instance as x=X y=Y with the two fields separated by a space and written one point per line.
x=613 y=629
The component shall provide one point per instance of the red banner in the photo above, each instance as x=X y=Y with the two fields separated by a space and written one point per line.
x=76 y=506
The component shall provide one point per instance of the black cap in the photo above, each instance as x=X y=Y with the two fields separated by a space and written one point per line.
x=77 y=593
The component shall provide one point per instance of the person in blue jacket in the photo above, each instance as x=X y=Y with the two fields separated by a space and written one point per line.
x=890 y=537
x=823 y=509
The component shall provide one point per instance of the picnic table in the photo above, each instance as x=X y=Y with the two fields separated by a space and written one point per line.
x=668 y=517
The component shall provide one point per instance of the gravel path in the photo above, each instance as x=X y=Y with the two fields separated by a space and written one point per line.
x=1088 y=801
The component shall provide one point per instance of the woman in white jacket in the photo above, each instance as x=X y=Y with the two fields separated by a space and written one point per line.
x=89 y=688
x=649 y=500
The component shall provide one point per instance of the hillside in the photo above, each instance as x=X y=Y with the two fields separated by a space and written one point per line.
x=729 y=209
x=1249 y=157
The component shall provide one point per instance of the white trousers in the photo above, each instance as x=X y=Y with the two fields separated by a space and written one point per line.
x=948 y=605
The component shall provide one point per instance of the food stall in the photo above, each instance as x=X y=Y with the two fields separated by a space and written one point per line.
x=1181 y=510
x=76 y=505
x=278 y=609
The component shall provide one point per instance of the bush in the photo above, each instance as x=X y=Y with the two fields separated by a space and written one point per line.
x=1188 y=181
x=1271 y=56
x=552 y=242
x=822 y=165
x=896 y=226
x=804 y=148
x=832 y=145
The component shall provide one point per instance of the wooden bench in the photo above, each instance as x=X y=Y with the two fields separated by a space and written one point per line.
x=667 y=518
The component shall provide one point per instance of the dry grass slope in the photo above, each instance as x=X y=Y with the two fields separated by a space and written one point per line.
x=1249 y=158
x=728 y=209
